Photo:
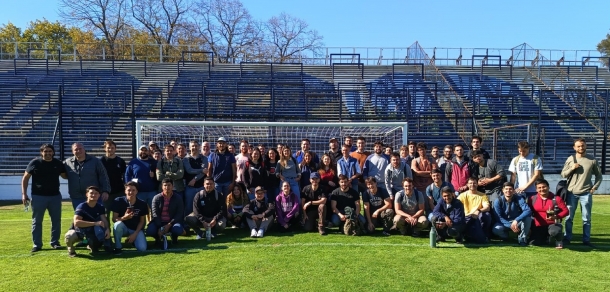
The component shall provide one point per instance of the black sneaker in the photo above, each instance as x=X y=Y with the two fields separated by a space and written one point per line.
x=415 y=234
x=36 y=249
x=174 y=239
x=566 y=242
x=56 y=246
x=118 y=251
x=589 y=244
x=522 y=243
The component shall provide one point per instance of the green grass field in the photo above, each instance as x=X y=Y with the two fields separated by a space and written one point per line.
x=305 y=262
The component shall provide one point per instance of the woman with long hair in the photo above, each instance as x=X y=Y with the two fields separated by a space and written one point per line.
x=307 y=166
x=255 y=174
x=273 y=181
x=236 y=201
x=328 y=174
x=288 y=171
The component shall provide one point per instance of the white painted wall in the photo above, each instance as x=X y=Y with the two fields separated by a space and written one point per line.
x=11 y=186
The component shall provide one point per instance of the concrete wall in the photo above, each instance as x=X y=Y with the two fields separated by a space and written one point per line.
x=11 y=186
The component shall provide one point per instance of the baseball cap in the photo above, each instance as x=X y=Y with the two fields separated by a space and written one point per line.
x=259 y=188
x=314 y=175
x=221 y=139
x=142 y=146
x=333 y=139
x=152 y=143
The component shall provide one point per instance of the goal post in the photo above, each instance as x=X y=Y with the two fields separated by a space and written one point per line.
x=271 y=133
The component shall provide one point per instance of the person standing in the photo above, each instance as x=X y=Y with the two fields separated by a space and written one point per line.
x=195 y=170
x=222 y=167
x=349 y=167
x=476 y=142
x=142 y=171
x=525 y=169
x=171 y=167
x=84 y=170
x=581 y=167
x=44 y=171
x=115 y=169
x=491 y=176
x=375 y=165
x=421 y=167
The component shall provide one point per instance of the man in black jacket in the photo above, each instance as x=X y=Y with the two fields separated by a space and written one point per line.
x=167 y=213
x=259 y=213
x=208 y=210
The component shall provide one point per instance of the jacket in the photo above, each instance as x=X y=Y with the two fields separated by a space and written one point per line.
x=91 y=173
x=176 y=172
x=455 y=213
x=518 y=210
x=286 y=208
x=176 y=209
x=540 y=206
x=256 y=207
x=139 y=170
x=210 y=205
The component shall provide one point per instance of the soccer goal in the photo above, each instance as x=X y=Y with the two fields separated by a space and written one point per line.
x=271 y=133
x=505 y=141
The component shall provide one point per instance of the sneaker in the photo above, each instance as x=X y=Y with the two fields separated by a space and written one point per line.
x=385 y=233
x=36 y=249
x=55 y=246
x=174 y=239
x=322 y=230
x=522 y=243
x=589 y=244
x=253 y=233
x=415 y=234
x=200 y=236
x=71 y=252
x=118 y=251
x=566 y=241
x=558 y=244
x=259 y=234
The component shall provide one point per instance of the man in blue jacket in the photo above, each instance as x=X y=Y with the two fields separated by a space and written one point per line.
x=448 y=217
x=142 y=171
x=512 y=214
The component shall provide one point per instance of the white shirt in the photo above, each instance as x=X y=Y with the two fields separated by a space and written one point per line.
x=524 y=169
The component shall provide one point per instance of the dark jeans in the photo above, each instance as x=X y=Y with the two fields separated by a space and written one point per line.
x=385 y=219
x=477 y=229
x=541 y=235
x=108 y=204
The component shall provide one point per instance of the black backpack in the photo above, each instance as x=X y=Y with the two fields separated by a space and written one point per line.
x=562 y=185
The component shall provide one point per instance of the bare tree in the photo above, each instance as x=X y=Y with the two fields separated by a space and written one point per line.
x=106 y=16
x=161 y=18
x=227 y=28
x=290 y=37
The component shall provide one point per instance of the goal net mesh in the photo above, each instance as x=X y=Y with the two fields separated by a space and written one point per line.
x=270 y=136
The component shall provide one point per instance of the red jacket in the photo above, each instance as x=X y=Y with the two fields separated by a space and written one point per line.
x=540 y=206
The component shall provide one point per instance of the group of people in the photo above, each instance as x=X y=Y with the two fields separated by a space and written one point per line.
x=191 y=189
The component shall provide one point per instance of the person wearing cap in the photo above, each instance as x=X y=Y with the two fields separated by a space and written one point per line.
x=222 y=167
x=313 y=202
x=287 y=207
x=89 y=222
x=45 y=172
x=259 y=213
x=171 y=167
x=152 y=147
x=334 y=151
x=208 y=210
x=142 y=171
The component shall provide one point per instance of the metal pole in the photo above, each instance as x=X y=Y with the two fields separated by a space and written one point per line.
x=60 y=122
x=605 y=141
x=538 y=139
x=133 y=123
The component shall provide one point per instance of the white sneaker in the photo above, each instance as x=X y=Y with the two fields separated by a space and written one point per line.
x=260 y=233
x=253 y=233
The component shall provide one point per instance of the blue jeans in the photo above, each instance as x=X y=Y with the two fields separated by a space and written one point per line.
x=223 y=187
x=189 y=196
x=294 y=186
x=586 y=202
x=121 y=230
x=337 y=221
x=502 y=230
x=40 y=204
x=152 y=229
x=76 y=202
x=147 y=197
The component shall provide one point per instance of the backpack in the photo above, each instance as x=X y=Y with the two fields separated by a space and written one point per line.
x=562 y=185
x=352 y=226
x=534 y=162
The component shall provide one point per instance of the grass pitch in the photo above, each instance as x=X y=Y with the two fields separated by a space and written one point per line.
x=305 y=262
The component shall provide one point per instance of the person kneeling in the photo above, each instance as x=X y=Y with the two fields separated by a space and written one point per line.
x=409 y=207
x=259 y=213
x=476 y=207
x=345 y=203
x=313 y=200
x=448 y=216
x=208 y=210
x=548 y=211
x=129 y=217
x=89 y=222
x=287 y=208
x=512 y=214
x=167 y=215
x=377 y=207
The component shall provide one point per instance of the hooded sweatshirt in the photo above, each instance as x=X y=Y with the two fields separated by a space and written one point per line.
x=286 y=207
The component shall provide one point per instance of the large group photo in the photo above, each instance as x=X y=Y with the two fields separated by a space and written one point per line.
x=216 y=145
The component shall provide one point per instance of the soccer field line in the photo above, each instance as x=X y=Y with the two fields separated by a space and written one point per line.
x=269 y=245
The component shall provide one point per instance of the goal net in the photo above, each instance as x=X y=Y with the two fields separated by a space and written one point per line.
x=270 y=133
x=505 y=140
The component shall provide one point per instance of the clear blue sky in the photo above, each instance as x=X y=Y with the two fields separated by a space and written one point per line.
x=450 y=24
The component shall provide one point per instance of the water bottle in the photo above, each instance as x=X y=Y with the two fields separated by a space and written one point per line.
x=208 y=234
x=433 y=237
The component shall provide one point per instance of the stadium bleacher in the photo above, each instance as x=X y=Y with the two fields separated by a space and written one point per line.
x=442 y=104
